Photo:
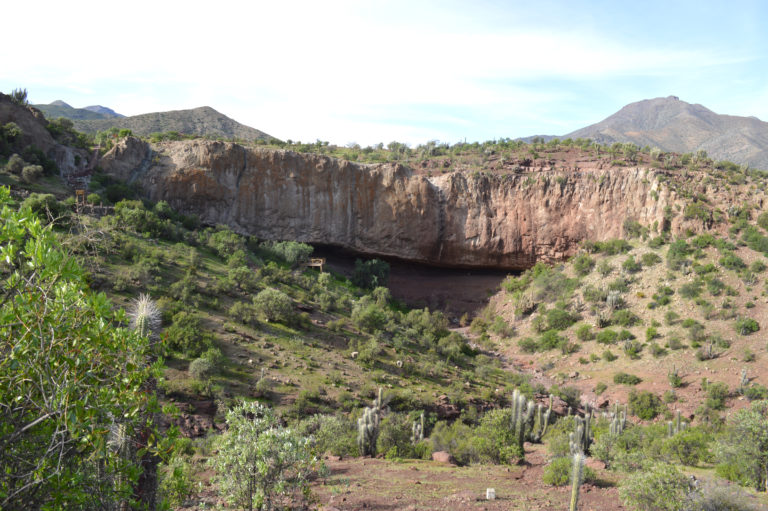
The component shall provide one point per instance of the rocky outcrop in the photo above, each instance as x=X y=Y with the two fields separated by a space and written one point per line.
x=70 y=161
x=456 y=219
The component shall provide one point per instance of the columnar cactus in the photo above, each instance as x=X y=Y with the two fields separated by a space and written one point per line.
x=577 y=477
x=677 y=426
x=618 y=422
x=417 y=430
x=368 y=428
x=529 y=422
x=580 y=439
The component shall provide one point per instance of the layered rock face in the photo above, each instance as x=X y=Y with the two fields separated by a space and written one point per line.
x=455 y=219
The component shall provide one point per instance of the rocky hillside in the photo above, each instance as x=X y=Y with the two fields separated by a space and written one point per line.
x=61 y=109
x=203 y=122
x=674 y=125
x=504 y=220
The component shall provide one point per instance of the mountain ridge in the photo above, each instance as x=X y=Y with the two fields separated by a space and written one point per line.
x=200 y=121
x=677 y=126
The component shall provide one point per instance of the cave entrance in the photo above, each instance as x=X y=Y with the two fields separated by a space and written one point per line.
x=454 y=291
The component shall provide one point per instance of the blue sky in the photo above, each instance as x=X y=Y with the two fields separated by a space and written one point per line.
x=377 y=71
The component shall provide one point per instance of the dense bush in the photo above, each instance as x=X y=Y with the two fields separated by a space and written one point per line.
x=560 y=319
x=626 y=379
x=661 y=488
x=273 y=305
x=292 y=252
x=259 y=463
x=645 y=405
x=202 y=369
x=558 y=472
x=583 y=264
x=746 y=326
x=334 y=434
x=186 y=334
x=370 y=274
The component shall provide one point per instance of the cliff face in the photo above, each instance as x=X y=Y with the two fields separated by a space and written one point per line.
x=454 y=219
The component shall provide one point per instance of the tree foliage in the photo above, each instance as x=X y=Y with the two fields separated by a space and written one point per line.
x=69 y=378
x=260 y=464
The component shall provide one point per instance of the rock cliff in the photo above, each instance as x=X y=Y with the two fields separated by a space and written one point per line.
x=456 y=219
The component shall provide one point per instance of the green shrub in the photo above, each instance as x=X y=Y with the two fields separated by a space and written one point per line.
x=186 y=334
x=259 y=463
x=608 y=356
x=455 y=438
x=370 y=274
x=559 y=319
x=201 y=369
x=689 y=447
x=717 y=393
x=661 y=488
x=558 y=472
x=650 y=259
x=583 y=264
x=584 y=333
x=291 y=252
x=369 y=316
x=550 y=340
x=645 y=405
x=631 y=266
x=732 y=262
x=31 y=173
x=528 y=345
x=335 y=434
x=395 y=436
x=176 y=481
x=626 y=379
x=273 y=305
x=746 y=326
x=624 y=317
x=691 y=290
x=494 y=439
x=607 y=336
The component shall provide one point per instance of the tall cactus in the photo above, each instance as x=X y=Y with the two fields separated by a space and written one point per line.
x=673 y=428
x=577 y=477
x=618 y=423
x=580 y=439
x=368 y=428
x=417 y=430
x=528 y=422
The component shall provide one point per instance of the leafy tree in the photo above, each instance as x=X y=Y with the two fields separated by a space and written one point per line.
x=273 y=305
x=744 y=445
x=260 y=464
x=67 y=374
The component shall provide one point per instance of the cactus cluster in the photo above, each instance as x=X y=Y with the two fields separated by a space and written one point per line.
x=368 y=428
x=577 y=477
x=618 y=420
x=417 y=430
x=676 y=426
x=525 y=424
x=581 y=438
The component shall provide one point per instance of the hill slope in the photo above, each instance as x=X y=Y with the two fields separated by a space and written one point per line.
x=59 y=108
x=674 y=125
x=202 y=121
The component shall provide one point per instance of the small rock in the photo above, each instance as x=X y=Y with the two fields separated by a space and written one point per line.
x=443 y=457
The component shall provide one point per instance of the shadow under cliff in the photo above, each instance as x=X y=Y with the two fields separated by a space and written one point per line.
x=455 y=291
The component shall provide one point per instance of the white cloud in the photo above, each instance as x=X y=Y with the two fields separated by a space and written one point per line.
x=306 y=70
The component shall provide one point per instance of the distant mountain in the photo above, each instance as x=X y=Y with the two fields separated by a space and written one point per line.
x=59 y=108
x=674 y=125
x=202 y=121
x=107 y=112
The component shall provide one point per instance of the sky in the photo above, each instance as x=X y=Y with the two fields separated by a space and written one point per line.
x=377 y=71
